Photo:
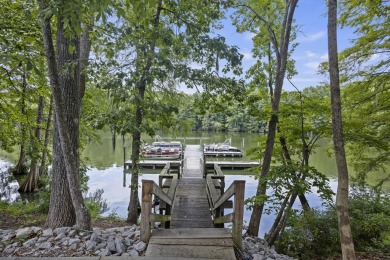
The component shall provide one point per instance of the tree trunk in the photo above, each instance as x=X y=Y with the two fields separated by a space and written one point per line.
x=21 y=167
x=31 y=183
x=136 y=140
x=282 y=55
x=61 y=210
x=279 y=225
x=347 y=246
x=68 y=89
x=43 y=168
x=254 y=223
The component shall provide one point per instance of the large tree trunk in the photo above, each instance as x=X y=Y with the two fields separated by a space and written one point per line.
x=61 y=210
x=136 y=140
x=31 y=183
x=281 y=51
x=347 y=246
x=68 y=89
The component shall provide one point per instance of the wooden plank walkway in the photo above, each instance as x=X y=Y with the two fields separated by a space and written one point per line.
x=190 y=206
x=192 y=233
x=194 y=243
x=192 y=155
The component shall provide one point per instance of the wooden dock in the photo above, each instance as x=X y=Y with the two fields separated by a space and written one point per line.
x=191 y=213
x=190 y=207
x=153 y=164
x=233 y=165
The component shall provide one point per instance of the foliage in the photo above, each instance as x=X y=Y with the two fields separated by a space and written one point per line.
x=312 y=235
x=223 y=117
x=96 y=204
x=180 y=39
x=365 y=70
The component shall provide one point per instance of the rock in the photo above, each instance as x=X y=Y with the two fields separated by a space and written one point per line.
x=128 y=242
x=119 y=247
x=258 y=257
x=73 y=246
x=30 y=242
x=74 y=241
x=129 y=234
x=90 y=245
x=8 y=236
x=94 y=236
x=133 y=252
x=84 y=234
x=23 y=232
x=101 y=245
x=47 y=232
x=105 y=252
x=65 y=241
x=45 y=245
x=60 y=236
x=8 y=250
x=97 y=230
x=140 y=246
x=111 y=230
x=42 y=239
x=111 y=246
x=60 y=230
x=72 y=233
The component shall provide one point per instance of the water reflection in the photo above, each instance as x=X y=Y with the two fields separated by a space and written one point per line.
x=118 y=195
x=8 y=185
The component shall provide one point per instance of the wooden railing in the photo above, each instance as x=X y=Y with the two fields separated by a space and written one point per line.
x=150 y=188
x=217 y=201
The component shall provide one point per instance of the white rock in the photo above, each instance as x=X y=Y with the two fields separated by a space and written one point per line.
x=47 y=232
x=140 y=246
x=30 y=242
x=45 y=245
x=133 y=252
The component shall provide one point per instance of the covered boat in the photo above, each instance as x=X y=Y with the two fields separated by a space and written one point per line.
x=222 y=149
x=160 y=149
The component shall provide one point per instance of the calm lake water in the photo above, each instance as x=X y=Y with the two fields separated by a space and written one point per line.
x=106 y=169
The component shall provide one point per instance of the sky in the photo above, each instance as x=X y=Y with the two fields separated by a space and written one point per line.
x=311 y=16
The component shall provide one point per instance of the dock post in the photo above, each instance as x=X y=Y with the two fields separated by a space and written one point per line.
x=239 y=189
x=145 y=231
x=124 y=156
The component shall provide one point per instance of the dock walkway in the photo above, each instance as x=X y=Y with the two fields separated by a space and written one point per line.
x=192 y=233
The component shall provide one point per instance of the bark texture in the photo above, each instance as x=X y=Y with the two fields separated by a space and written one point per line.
x=65 y=73
x=347 y=246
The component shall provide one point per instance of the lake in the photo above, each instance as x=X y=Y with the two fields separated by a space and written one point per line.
x=106 y=169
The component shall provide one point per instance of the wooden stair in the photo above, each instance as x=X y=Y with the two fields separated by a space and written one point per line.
x=195 y=243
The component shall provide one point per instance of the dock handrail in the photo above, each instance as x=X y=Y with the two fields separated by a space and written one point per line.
x=236 y=189
x=150 y=188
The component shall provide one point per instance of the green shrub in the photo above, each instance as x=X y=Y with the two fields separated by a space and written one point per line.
x=314 y=235
x=309 y=235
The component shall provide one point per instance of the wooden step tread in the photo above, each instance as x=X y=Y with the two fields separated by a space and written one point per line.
x=226 y=242
x=199 y=252
x=192 y=233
